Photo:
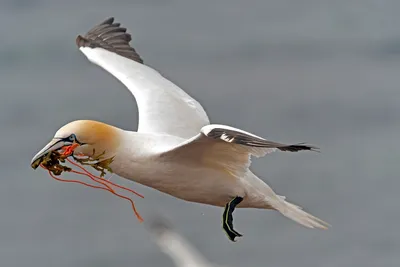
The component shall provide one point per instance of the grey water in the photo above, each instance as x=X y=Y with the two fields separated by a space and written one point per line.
x=322 y=72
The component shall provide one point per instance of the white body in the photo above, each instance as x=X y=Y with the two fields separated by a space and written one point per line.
x=191 y=182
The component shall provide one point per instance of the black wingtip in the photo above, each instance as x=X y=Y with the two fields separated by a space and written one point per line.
x=80 y=41
x=299 y=147
x=108 y=21
x=110 y=36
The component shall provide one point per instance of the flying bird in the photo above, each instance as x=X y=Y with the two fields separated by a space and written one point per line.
x=175 y=149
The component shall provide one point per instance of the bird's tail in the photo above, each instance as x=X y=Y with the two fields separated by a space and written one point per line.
x=298 y=215
x=273 y=201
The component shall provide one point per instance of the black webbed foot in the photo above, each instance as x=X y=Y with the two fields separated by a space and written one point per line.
x=227 y=218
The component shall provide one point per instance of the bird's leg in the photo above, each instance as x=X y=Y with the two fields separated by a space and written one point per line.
x=227 y=218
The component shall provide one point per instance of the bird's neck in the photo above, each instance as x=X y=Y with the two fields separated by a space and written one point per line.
x=136 y=157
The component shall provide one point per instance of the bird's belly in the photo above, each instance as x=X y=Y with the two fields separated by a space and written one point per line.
x=195 y=189
x=205 y=186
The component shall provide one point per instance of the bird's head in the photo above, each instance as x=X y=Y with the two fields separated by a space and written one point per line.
x=86 y=138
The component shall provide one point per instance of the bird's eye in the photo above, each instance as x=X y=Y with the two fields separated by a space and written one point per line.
x=72 y=137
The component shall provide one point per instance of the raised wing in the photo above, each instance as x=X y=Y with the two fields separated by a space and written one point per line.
x=227 y=148
x=163 y=106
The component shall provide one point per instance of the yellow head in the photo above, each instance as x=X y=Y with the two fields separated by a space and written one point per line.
x=87 y=136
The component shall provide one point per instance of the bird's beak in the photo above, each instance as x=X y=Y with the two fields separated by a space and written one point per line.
x=53 y=145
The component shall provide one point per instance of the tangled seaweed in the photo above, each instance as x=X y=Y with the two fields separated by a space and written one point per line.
x=53 y=162
x=95 y=162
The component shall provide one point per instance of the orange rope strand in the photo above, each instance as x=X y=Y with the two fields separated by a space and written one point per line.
x=99 y=181
x=107 y=181
x=74 y=181
x=94 y=180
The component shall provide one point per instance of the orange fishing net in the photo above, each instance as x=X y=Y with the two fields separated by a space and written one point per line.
x=55 y=168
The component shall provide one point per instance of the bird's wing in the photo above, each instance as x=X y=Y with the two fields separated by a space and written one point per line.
x=227 y=148
x=163 y=106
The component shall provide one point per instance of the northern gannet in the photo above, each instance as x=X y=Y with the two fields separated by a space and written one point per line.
x=175 y=149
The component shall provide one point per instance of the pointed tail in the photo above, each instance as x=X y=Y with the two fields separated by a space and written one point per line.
x=298 y=215
x=278 y=202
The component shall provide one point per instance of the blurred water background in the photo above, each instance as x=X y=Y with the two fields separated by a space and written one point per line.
x=323 y=72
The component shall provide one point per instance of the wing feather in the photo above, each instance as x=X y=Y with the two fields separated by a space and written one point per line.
x=163 y=106
x=240 y=137
x=226 y=148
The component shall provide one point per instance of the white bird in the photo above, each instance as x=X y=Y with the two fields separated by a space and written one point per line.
x=175 y=149
x=176 y=246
